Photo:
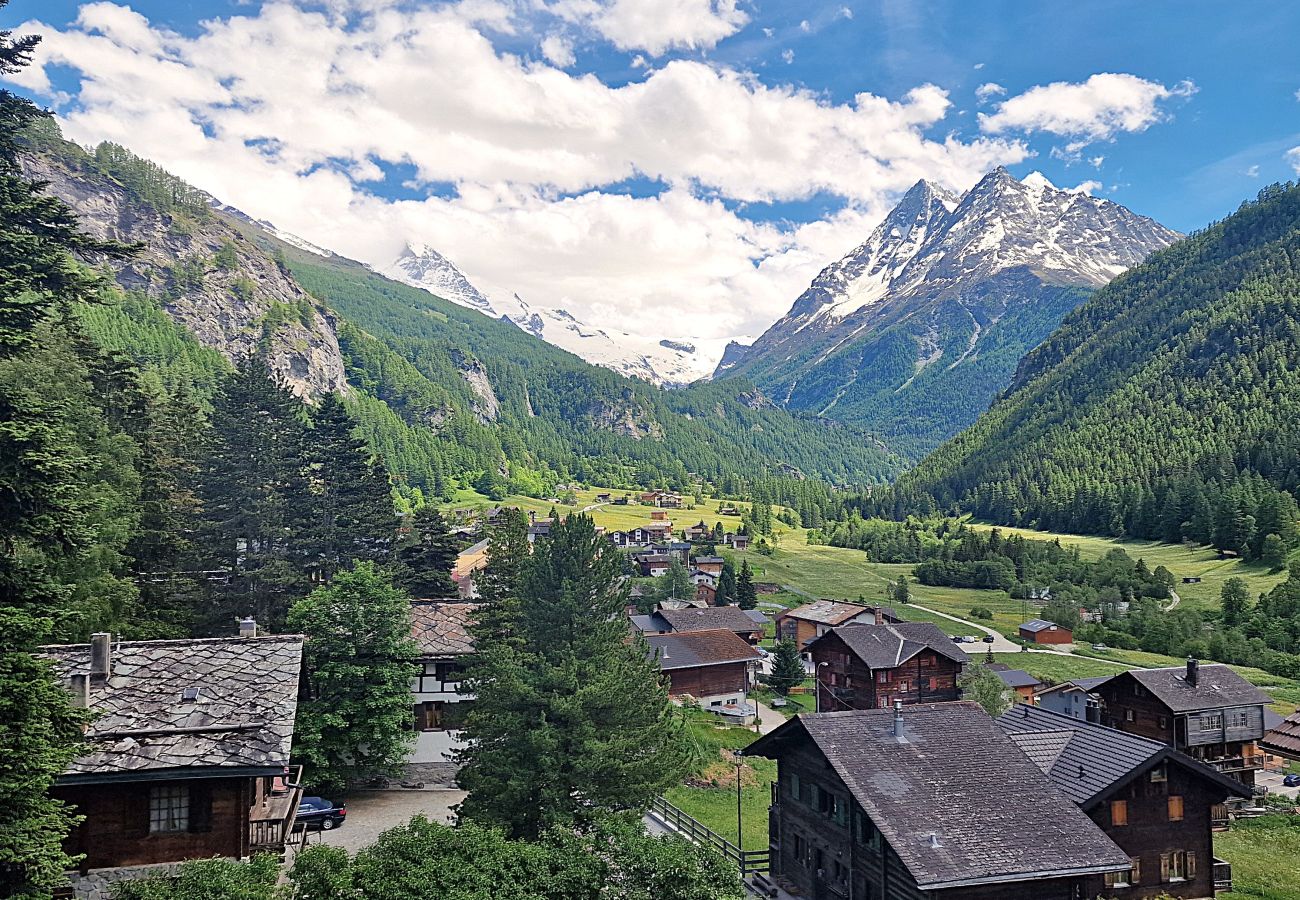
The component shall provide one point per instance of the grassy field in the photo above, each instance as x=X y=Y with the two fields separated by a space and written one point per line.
x=1265 y=857
x=615 y=518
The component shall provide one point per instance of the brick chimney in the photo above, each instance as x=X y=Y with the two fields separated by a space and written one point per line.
x=1193 y=670
x=101 y=655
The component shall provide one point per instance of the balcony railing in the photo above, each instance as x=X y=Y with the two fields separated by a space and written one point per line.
x=270 y=824
x=1238 y=763
x=1222 y=875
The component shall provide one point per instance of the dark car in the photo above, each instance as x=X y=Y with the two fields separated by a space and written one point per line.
x=988 y=638
x=1291 y=781
x=318 y=814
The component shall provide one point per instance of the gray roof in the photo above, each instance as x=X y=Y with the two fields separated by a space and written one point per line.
x=1016 y=678
x=651 y=622
x=689 y=649
x=889 y=646
x=1217 y=687
x=441 y=627
x=1086 y=685
x=954 y=797
x=1089 y=762
x=242 y=719
x=826 y=612
x=1037 y=625
x=732 y=618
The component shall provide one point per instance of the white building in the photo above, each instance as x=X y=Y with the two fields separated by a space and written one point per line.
x=441 y=628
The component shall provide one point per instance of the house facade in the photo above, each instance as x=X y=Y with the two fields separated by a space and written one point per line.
x=714 y=667
x=1155 y=803
x=1073 y=698
x=810 y=621
x=853 y=813
x=873 y=666
x=1041 y=631
x=188 y=756
x=441 y=629
x=1207 y=711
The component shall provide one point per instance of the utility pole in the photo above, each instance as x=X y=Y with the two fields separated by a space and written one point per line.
x=740 y=832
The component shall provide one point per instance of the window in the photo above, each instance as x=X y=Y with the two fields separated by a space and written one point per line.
x=1130 y=716
x=924 y=684
x=1212 y=720
x=864 y=830
x=800 y=849
x=882 y=677
x=169 y=808
x=1159 y=774
x=902 y=686
x=1119 y=812
x=1175 y=808
x=429 y=716
x=1178 y=866
x=1239 y=720
x=1135 y=873
x=794 y=786
x=1164 y=722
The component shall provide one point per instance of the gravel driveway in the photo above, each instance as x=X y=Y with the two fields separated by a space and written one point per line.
x=372 y=812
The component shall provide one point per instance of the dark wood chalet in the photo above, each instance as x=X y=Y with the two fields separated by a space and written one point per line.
x=1155 y=803
x=929 y=801
x=1209 y=712
x=810 y=621
x=871 y=666
x=711 y=666
x=188 y=757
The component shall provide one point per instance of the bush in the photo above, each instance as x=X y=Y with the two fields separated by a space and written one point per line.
x=981 y=612
x=208 y=879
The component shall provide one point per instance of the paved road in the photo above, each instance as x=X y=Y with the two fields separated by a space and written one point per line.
x=371 y=813
x=1273 y=781
x=1173 y=601
x=769 y=720
x=1000 y=643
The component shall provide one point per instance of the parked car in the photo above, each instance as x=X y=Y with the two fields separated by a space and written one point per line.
x=988 y=638
x=763 y=652
x=1291 y=780
x=970 y=639
x=1100 y=647
x=319 y=814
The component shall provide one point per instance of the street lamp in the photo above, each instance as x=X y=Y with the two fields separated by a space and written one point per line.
x=817 y=686
x=740 y=834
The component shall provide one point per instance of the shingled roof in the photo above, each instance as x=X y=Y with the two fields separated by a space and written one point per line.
x=889 y=646
x=241 y=719
x=441 y=627
x=826 y=612
x=1217 y=687
x=732 y=618
x=1089 y=762
x=1284 y=738
x=689 y=649
x=954 y=797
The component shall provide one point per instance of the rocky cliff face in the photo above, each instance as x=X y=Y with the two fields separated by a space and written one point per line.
x=208 y=277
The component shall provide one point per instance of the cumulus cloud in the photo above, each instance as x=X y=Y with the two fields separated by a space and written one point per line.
x=788 y=56
x=558 y=50
x=1089 y=187
x=989 y=90
x=1094 y=110
x=295 y=114
x=656 y=26
x=1292 y=158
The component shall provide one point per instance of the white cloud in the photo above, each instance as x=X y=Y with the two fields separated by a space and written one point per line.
x=988 y=90
x=1297 y=94
x=291 y=114
x=1096 y=161
x=558 y=50
x=656 y=26
x=845 y=12
x=1086 y=187
x=805 y=26
x=1292 y=158
x=1251 y=171
x=769 y=32
x=978 y=66
x=788 y=56
x=1095 y=110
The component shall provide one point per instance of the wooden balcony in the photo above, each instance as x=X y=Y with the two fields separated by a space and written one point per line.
x=270 y=823
x=1245 y=763
x=1222 y=875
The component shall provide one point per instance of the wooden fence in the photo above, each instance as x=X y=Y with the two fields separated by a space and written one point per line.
x=748 y=861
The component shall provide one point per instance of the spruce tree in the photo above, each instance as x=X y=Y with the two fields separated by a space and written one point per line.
x=500 y=600
x=746 y=595
x=726 y=595
x=359 y=658
x=428 y=556
x=574 y=721
x=787 y=667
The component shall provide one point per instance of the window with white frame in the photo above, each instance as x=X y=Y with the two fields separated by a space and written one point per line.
x=169 y=808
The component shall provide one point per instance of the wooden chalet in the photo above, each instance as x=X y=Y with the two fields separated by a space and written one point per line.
x=927 y=802
x=1155 y=803
x=441 y=630
x=188 y=756
x=1017 y=681
x=1209 y=712
x=707 y=592
x=1041 y=631
x=1283 y=738
x=711 y=666
x=810 y=621
x=736 y=541
x=872 y=666
x=746 y=623
x=710 y=565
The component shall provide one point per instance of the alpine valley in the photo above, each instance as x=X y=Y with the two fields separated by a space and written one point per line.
x=915 y=331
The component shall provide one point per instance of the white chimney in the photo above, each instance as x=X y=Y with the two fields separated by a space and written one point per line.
x=101 y=654
x=248 y=627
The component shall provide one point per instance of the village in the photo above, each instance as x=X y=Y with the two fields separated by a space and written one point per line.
x=875 y=753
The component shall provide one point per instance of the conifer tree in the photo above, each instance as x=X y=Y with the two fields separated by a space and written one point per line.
x=746 y=594
x=574 y=721
x=500 y=599
x=787 y=667
x=428 y=556
x=726 y=595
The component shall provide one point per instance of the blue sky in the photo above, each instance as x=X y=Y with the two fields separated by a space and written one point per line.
x=623 y=157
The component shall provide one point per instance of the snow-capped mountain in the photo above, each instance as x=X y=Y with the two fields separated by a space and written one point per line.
x=915 y=330
x=665 y=361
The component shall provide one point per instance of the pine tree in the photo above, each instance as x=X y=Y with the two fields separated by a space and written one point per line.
x=787 y=667
x=746 y=595
x=574 y=720
x=726 y=595
x=499 y=584
x=428 y=556
x=676 y=583
x=902 y=593
x=359 y=657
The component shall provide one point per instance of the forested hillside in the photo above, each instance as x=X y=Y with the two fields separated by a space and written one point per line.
x=1165 y=407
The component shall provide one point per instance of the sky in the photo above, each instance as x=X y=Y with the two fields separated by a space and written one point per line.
x=675 y=168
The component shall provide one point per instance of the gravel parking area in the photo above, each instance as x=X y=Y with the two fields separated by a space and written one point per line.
x=371 y=813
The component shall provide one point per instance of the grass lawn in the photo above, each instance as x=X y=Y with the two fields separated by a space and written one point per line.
x=1055 y=668
x=710 y=797
x=1265 y=857
x=615 y=518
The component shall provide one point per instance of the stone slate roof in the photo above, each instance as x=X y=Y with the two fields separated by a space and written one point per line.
x=1089 y=762
x=689 y=649
x=1017 y=678
x=889 y=646
x=827 y=612
x=241 y=720
x=732 y=618
x=954 y=797
x=1284 y=738
x=441 y=627
x=1217 y=687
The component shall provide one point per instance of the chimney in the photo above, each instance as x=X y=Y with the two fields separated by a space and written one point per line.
x=81 y=690
x=101 y=654
x=1193 y=670
x=248 y=627
x=898 y=718
x=880 y=615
